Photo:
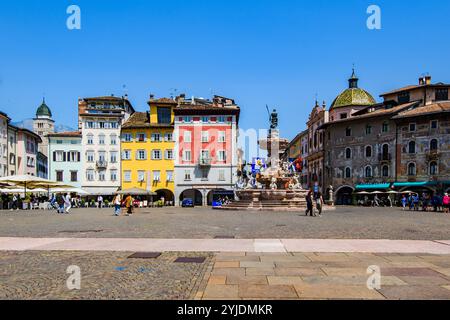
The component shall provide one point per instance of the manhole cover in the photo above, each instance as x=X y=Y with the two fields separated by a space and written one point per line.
x=223 y=237
x=80 y=231
x=190 y=260
x=145 y=255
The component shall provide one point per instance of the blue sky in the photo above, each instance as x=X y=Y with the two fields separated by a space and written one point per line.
x=280 y=53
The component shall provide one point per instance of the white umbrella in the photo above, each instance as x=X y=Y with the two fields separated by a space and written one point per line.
x=28 y=181
x=392 y=191
x=362 y=192
x=376 y=192
x=69 y=190
x=22 y=190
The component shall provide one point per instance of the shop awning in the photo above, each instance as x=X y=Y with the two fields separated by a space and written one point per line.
x=419 y=183
x=374 y=186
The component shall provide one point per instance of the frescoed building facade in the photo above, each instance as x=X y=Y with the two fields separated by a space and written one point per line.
x=66 y=157
x=147 y=149
x=100 y=120
x=206 y=148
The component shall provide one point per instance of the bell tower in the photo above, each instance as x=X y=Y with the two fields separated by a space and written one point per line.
x=43 y=124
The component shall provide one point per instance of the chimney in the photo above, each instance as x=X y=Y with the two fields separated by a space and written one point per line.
x=180 y=98
x=421 y=81
x=152 y=96
x=428 y=79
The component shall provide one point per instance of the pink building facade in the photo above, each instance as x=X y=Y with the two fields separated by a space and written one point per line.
x=27 y=150
x=206 y=149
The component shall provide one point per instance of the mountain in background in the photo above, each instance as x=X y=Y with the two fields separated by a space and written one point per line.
x=28 y=124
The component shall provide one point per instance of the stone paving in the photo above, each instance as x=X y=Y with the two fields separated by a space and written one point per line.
x=325 y=276
x=205 y=223
x=104 y=275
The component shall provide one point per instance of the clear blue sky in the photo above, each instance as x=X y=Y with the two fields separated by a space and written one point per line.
x=279 y=53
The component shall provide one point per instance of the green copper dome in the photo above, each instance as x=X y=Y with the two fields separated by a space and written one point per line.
x=353 y=96
x=43 y=110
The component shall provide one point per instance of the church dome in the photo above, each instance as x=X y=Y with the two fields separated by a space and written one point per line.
x=353 y=96
x=43 y=110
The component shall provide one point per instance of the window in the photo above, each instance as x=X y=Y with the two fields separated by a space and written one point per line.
x=156 y=175
x=221 y=119
x=113 y=156
x=385 y=171
x=221 y=175
x=127 y=137
x=187 y=119
x=187 y=155
x=411 y=169
x=385 y=127
x=141 y=176
x=403 y=97
x=113 y=174
x=59 y=176
x=141 y=154
x=412 y=127
x=368 y=129
x=205 y=119
x=59 y=156
x=348 y=132
x=368 y=151
x=348 y=173
x=156 y=154
x=73 y=176
x=101 y=139
x=90 y=156
x=348 y=153
x=90 y=175
x=221 y=155
x=368 y=172
x=168 y=137
x=441 y=94
x=102 y=156
x=433 y=168
x=434 y=124
x=221 y=137
x=204 y=174
x=127 y=176
x=102 y=175
x=141 y=137
x=187 y=175
x=126 y=155
x=411 y=147
x=187 y=136
x=164 y=115
x=90 y=125
x=90 y=139
x=73 y=156
x=156 y=137
x=205 y=136
x=169 y=175
x=168 y=154
x=433 y=145
x=343 y=116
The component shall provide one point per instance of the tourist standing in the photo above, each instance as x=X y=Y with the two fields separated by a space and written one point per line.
x=100 y=201
x=60 y=200
x=446 y=203
x=318 y=199
x=15 y=205
x=416 y=202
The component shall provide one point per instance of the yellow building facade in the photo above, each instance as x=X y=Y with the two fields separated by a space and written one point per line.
x=147 y=150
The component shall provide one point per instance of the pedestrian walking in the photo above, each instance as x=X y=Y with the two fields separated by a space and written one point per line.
x=309 y=204
x=100 y=201
x=67 y=203
x=446 y=203
x=117 y=204
x=60 y=201
x=404 y=202
x=129 y=205
x=318 y=199
x=416 y=202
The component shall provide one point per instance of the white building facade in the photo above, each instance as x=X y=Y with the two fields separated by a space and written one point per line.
x=4 y=120
x=100 y=120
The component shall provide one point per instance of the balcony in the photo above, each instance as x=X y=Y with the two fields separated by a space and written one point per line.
x=432 y=155
x=102 y=164
x=204 y=161
x=384 y=157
